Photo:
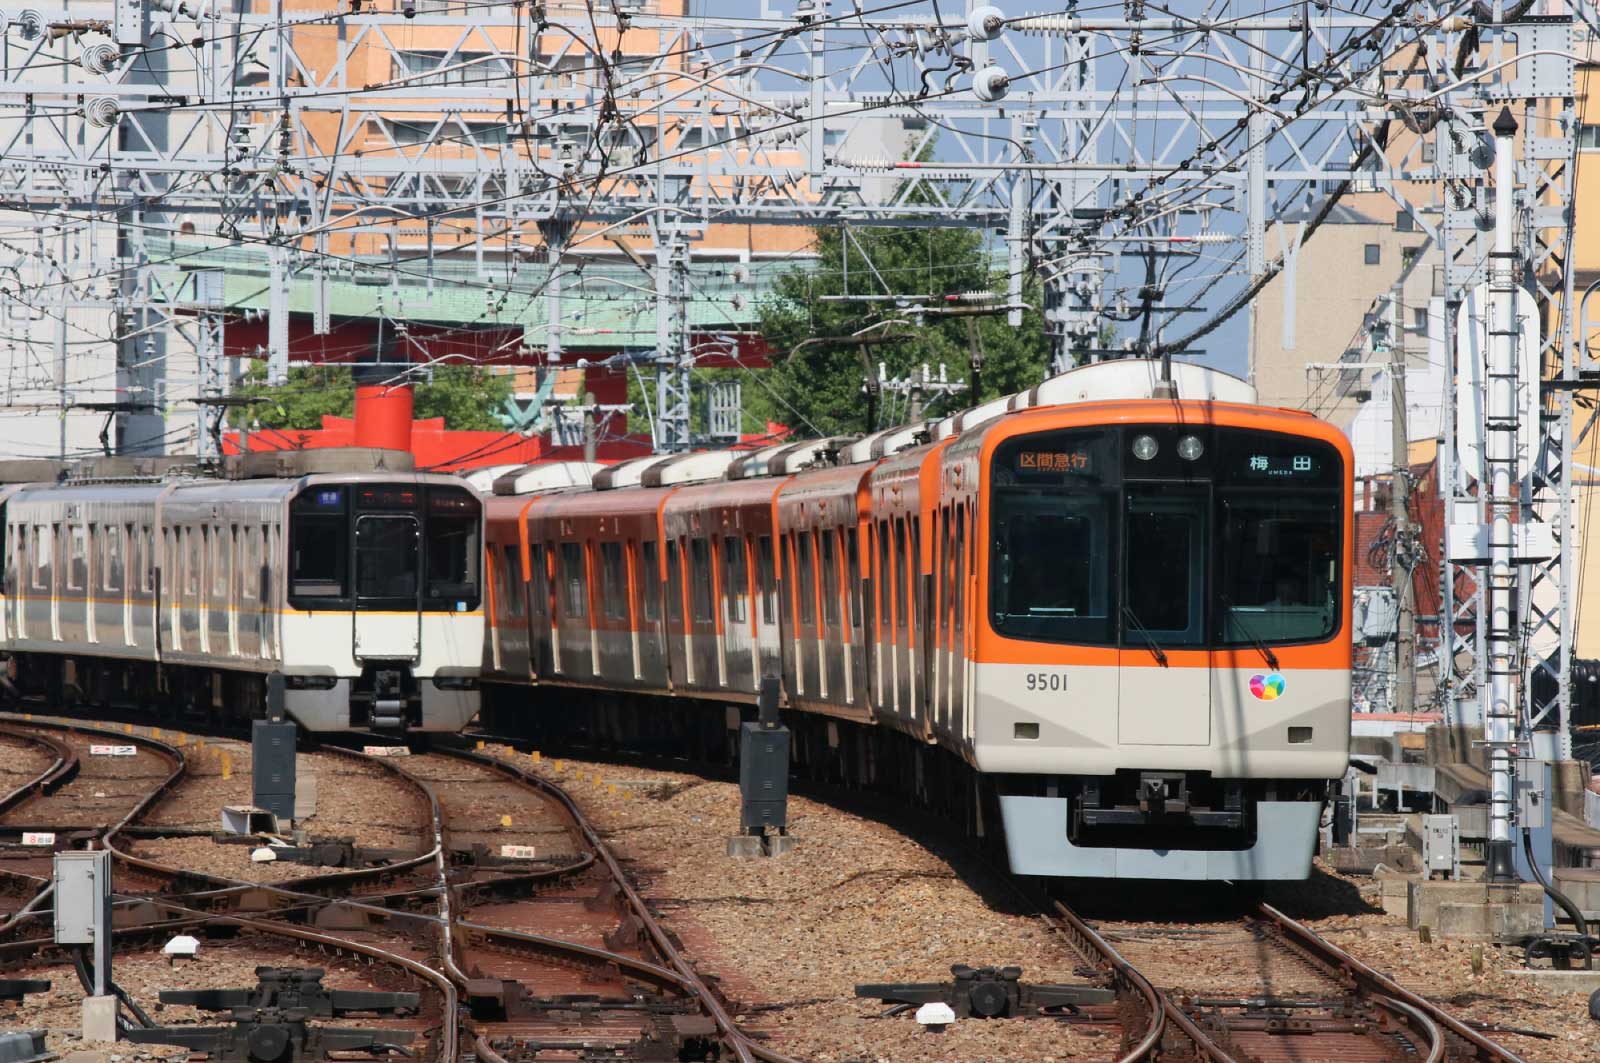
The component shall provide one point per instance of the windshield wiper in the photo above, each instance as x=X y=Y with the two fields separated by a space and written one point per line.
x=1149 y=639
x=1255 y=640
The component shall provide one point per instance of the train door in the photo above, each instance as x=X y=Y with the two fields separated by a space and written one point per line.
x=1162 y=700
x=387 y=621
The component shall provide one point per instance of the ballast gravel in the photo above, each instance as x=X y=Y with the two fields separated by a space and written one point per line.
x=857 y=901
x=790 y=937
x=354 y=800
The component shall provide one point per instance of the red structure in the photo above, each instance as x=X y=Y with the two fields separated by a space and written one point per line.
x=383 y=416
x=438 y=448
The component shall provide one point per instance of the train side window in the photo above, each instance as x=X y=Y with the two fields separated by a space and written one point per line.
x=613 y=581
x=221 y=558
x=203 y=552
x=958 y=596
x=572 y=580
x=650 y=580
x=900 y=574
x=853 y=574
x=77 y=560
x=735 y=578
x=111 y=557
x=171 y=563
x=806 y=585
x=914 y=565
x=883 y=579
x=250 y=566
x=147 y=572
x=538 y=583
x=945 y=567
x=700 y=577
x=191 y=562
x=41 y=551
x=17 y=577
x=766 y=573
x=512 y=582
x=830 y=578
x=675 y=581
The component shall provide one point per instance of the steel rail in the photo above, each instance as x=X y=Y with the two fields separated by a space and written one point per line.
x=744 y=1047
x=1374 y=984
x=52 y=778
x=448 y=1038
x=1436 y=1042
x=449 y=1044
x=1088 y=942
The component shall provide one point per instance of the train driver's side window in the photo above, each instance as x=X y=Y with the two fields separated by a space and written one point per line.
x=319 y=545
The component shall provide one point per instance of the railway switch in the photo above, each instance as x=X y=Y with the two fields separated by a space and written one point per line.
x=25 y=1046
x=987 y=993
x=763 y=780
x=22 y=1046
x=12 y=989
x=271 y=1020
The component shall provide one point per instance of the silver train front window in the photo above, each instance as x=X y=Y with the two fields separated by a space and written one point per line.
x=1118 y=537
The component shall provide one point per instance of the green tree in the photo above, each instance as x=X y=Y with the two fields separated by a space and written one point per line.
x=300 y=403
x=816 y=381
x=466 y=396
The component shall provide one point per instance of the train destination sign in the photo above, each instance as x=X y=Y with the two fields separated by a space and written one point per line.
x=1282 y=466
x=1054 y=461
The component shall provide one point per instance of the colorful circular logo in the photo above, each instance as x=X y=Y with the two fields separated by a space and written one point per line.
x=1266 y=687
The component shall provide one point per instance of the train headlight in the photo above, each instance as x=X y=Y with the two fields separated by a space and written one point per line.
x=1190 y=448
x=1145 y=447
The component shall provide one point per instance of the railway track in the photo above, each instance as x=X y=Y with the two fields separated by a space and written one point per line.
x=517 y=958
x=522 y=958
x=1269 y=990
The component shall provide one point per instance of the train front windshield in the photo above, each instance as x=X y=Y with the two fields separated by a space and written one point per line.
x=1166 y=535
x=384 y=546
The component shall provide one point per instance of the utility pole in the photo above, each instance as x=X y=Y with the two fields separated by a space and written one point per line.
x=1405 y=643
x=589 y=409
x=1498 y=698
x=919 y=380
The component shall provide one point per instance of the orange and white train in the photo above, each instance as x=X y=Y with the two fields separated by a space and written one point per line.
x=1106 y=618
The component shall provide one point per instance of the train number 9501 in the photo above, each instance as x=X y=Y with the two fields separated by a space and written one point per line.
x=1052 y=682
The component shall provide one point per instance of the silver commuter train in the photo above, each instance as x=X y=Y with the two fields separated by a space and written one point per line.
x=140 y=583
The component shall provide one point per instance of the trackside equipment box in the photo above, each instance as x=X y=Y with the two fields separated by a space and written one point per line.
x=83 y=896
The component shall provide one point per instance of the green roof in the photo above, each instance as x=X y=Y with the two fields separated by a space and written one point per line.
x=604 y=305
